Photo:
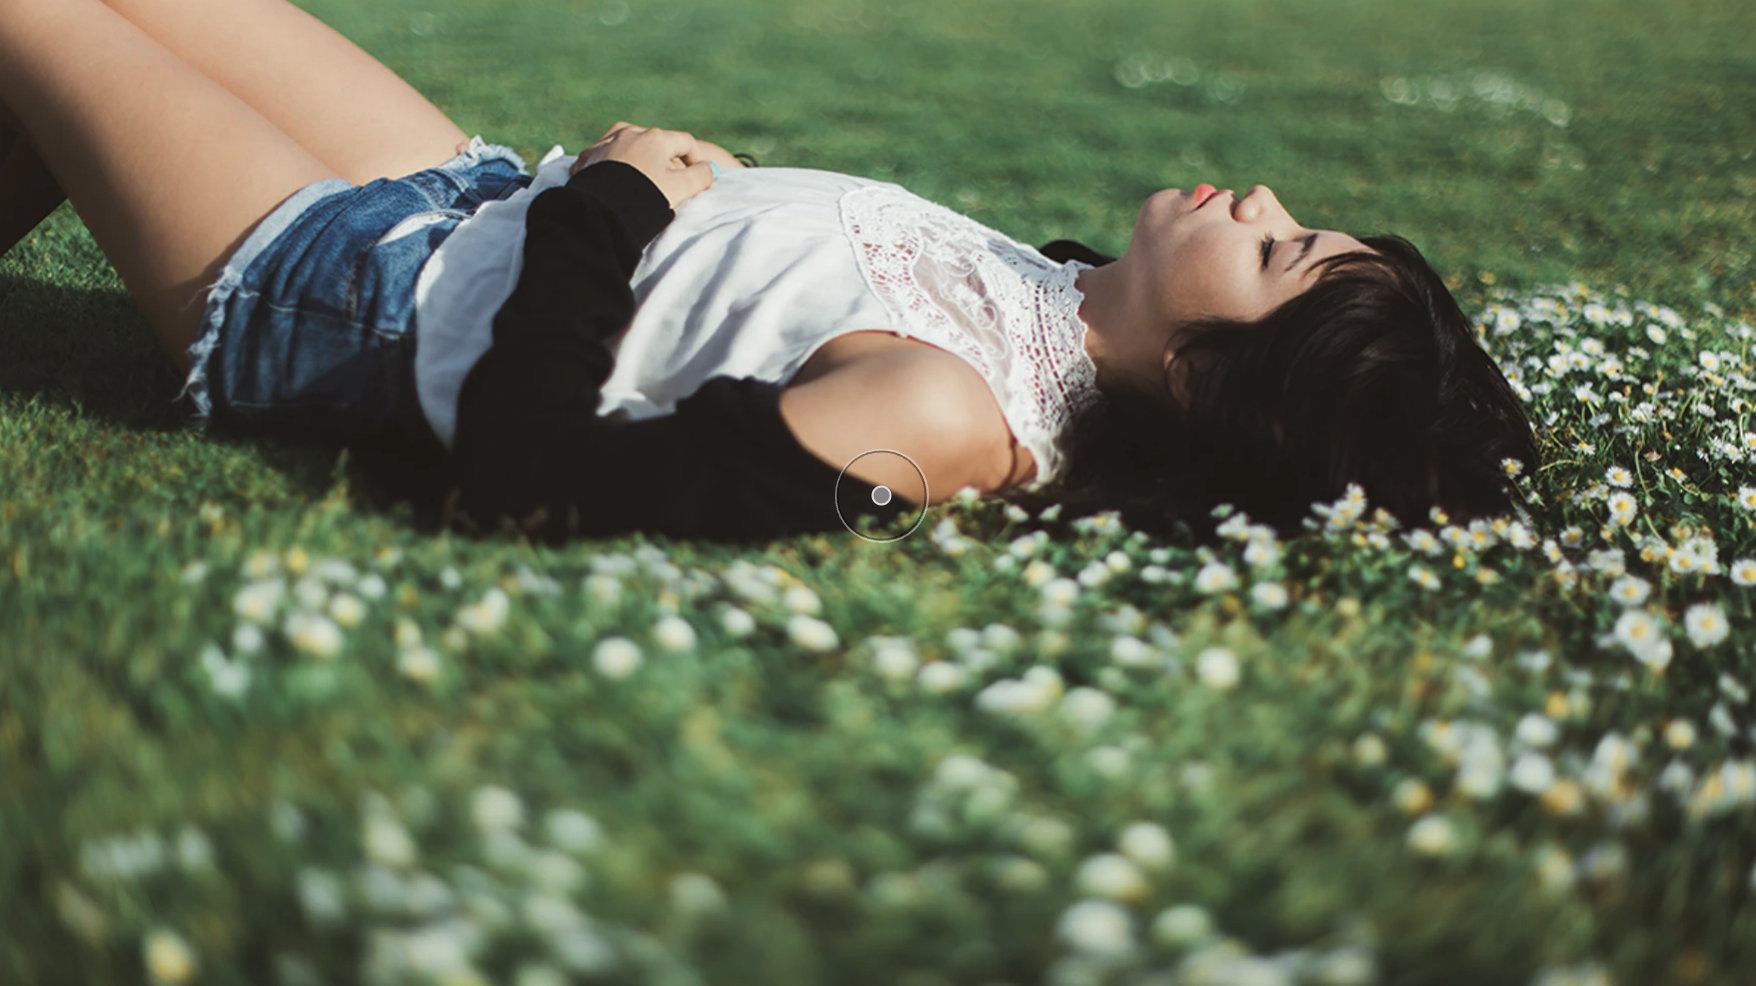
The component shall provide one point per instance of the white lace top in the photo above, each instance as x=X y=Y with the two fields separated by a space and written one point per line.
x=759 y=271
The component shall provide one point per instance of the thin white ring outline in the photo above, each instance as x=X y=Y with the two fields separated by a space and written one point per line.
x=844 y=520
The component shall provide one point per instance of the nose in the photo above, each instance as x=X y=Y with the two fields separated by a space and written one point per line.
x=1260 y=197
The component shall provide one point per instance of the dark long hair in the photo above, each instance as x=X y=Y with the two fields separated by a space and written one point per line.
x=1371 y=376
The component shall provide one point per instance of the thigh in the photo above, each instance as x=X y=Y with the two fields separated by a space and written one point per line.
x=338 y=102
x=168 y=170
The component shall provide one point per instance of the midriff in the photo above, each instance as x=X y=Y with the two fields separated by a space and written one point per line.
x=860 y=347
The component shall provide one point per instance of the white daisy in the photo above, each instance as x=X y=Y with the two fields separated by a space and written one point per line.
x=257 y=601
x=1370 y=751
x=1269 y=595
x=737 y=622
x=894 y=658
x=1218 y=668
x=673 y=633
x=1149 y=844
x=1061 y=592
x=812 y=634
x=247 y=638
x=418 y=663
x=1630 y=590
x=1537 y=729
x=487 y=615
x=800 y=599
x=1087 y=708
x=314 y=634
x=372 y=586
x=387 y=842
x=695 y=894
x=1112 y=876
x=496 y=809
x=1182 y=925
x=347 y=610
x=1685 y=561
x=942 y=677
x=1433 y=835
x=1608 y=561
x=1097 y=927
x=310 y=592
x=1680 y=734
x=1215 y=577
x=1623 y=507
x=616 y=657
x=1706 y=624
x=573 y=830
x=1014 y=697
x=1532 y=772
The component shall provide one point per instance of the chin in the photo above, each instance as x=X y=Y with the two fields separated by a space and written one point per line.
x=1160 y=201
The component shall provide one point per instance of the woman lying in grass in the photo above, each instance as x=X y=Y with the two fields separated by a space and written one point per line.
x=648 y=336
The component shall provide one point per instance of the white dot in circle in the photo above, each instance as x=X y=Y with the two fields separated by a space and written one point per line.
x=880 y=495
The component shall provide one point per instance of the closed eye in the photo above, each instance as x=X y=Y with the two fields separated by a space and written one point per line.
x=1267 y=248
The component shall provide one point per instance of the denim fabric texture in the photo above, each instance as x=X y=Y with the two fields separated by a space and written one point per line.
x=309 y=331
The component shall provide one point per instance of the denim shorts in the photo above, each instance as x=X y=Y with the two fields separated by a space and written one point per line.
x=310 y=330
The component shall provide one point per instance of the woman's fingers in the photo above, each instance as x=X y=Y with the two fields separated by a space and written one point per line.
x=699 y=179
x=618 y=127
x=718 y=155
x=674 y=144
x=702 y=151
x=675 y=160
x=670 y=159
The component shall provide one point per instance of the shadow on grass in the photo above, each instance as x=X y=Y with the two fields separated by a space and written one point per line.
x=92 y=349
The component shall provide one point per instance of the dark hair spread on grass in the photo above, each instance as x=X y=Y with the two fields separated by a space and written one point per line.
x=1370 y=376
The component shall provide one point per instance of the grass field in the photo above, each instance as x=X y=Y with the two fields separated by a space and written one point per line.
x=258 y=725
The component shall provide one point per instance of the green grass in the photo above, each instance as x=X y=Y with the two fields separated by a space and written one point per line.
x=775 y=800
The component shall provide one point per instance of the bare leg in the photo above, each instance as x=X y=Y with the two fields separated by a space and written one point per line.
x=335 y=100
x=168 y=170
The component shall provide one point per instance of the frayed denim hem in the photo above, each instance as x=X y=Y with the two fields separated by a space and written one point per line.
x=479 y=151
x=231 y=277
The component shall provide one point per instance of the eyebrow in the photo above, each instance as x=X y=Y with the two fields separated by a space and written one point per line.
x=1304 y=251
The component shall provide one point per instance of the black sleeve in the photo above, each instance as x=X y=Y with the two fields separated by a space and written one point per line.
x=531 y=445
x=1061 y=251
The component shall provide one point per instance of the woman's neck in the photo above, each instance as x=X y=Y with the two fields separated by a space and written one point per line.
x=1113 y=339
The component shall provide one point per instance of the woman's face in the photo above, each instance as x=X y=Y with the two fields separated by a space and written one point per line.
x=1208 y=255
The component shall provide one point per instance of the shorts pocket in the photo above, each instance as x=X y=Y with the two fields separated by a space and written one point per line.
x=380 y=288
x=415 y=223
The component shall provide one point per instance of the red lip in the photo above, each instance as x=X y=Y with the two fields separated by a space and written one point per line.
x=1203 y=193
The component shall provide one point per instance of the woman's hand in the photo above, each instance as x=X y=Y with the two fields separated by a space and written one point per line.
x=673 y=160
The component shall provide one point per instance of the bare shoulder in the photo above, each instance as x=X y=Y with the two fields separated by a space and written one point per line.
x=913 y=403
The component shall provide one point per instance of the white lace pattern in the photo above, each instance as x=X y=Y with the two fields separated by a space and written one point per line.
x=1009 y=311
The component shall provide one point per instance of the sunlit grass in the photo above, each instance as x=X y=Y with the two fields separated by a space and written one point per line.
x=258 y=726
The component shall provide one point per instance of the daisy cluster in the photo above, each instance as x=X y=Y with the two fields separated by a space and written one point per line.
x=315 y=609
x=435 y=885
x=1629 y=506
x=1112 y=634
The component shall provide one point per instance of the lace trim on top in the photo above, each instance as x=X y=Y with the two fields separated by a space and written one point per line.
x=1005 y=308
